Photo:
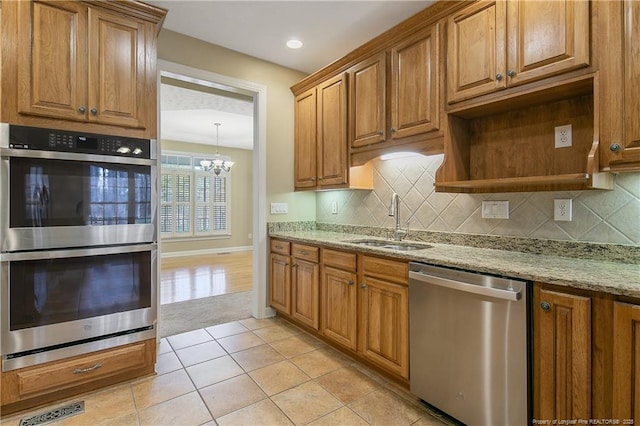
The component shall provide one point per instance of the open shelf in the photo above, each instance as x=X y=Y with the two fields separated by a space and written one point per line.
x=513 y=149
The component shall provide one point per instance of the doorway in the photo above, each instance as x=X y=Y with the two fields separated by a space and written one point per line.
x=256 y=92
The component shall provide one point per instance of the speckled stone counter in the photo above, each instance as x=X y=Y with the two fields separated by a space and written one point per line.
x=611 y=277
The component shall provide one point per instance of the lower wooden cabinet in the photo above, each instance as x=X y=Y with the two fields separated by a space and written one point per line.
x=305 y=281
x=39 y=384
x=384 y=296
x=280 y=283
x=562 y=355
x=626 y=362
x=339 y=298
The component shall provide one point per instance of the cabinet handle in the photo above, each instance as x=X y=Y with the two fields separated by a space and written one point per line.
x=614 y=147
x=313 y=179
x=286 y=264
x=86 y=370
x=545 y=306
x=511 y=73
x=294 y=265
x=363 y=286
x=304 y=252
x=351 y=282
x=82 y=109
x=498 y=76
x=320 y=178
x=94 y=110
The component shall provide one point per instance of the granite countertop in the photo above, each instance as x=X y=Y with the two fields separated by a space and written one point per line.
x=611 y=277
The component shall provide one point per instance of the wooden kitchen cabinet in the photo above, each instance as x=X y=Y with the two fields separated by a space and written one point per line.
x=620 y=71
x=280 y=276
x=384 y=326
x=80 y=62
x=562 y=355
x=305 y=285
x=626 y=362
x=413 y=106
x=368 y=102
x=320 y=141
x=339 y=298
x=51 y=381
x=415 y=84
x=493 y=45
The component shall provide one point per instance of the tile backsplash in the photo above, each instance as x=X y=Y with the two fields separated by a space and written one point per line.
x=598 y=216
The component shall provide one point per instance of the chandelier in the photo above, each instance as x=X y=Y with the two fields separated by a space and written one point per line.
x=217 y=163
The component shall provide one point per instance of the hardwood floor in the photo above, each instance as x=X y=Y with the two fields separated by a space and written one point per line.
x=193 y=277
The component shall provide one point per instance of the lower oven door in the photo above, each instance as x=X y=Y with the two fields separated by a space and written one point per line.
x=58 y=298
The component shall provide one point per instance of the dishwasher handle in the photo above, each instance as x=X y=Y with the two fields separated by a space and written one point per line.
x=497 y=293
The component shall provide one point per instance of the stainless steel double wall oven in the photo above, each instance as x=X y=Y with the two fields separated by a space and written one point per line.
x=78 y=243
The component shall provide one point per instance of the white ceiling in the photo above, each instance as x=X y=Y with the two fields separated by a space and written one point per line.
x=328 y=29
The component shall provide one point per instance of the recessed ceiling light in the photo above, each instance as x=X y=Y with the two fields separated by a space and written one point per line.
x=294 y=44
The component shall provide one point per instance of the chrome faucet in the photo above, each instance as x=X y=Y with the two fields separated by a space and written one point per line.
x=394 y=210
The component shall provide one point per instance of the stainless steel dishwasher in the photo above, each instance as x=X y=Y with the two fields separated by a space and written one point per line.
x=469 y=355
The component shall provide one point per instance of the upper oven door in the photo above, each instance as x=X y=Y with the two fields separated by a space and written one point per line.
x=62 y=199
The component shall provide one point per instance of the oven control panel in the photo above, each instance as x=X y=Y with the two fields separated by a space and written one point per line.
x=21 y=137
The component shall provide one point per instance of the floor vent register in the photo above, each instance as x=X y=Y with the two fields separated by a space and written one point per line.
x=54 y=415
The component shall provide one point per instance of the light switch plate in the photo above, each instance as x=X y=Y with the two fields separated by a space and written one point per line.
x=495 y=210
x=279 y=208
x=334 y=207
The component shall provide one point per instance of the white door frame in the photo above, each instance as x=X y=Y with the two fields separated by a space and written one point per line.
x=258 y=92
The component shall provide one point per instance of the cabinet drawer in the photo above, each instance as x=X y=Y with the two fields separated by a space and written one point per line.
x=339 y=259
x=309 y=253
x=391 y=270
x=56 y=376
x=281 y=247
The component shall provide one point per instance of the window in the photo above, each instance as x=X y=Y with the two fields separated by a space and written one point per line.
x=193 y=202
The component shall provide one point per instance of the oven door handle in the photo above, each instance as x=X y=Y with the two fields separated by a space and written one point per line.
x=77 y=252
x=73 y=156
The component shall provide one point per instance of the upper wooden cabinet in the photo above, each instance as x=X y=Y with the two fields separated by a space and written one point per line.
x=620 y=73
x=493 y=45
x=415 y=79
x=320 y=146
x=81 y=62
x=383 y=109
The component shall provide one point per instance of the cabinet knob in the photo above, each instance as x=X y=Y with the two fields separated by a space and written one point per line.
x=393 y=130
x=351 y=282
x=380 y=133
x=498 y=76
x=545 y=306
x=320 y=178
x=94 y=111
x=363 y=285
x=82 y=109
x=615 y=147
x=511 y=73
x=313 y=179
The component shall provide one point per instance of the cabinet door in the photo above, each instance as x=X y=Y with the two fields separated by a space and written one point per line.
x=626 y=361
x=52 y=68
x=339 y=306
x=305 y=140
x=280 y=283
x=305 y=292
x=332 y=131
x=631 y=142
x=546 y=38
x=385 y=327
x=117 y=69
x=367 y=102
x=562 y=355
x=415 y=85
x=476 y=50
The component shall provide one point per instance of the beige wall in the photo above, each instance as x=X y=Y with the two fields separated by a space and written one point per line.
x=241 y=199
x=195 y=53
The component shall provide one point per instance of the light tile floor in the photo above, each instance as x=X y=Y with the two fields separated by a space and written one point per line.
x=250 y=372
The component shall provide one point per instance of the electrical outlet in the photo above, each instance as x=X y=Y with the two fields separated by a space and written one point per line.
x=563 y=136
x=562 y=210
x=495 y=210
x=334 y=207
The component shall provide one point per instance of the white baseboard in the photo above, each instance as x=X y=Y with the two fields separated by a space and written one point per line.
x=168 y=255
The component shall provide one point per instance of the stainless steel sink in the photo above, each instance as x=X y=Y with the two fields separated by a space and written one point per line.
x=391 y=245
